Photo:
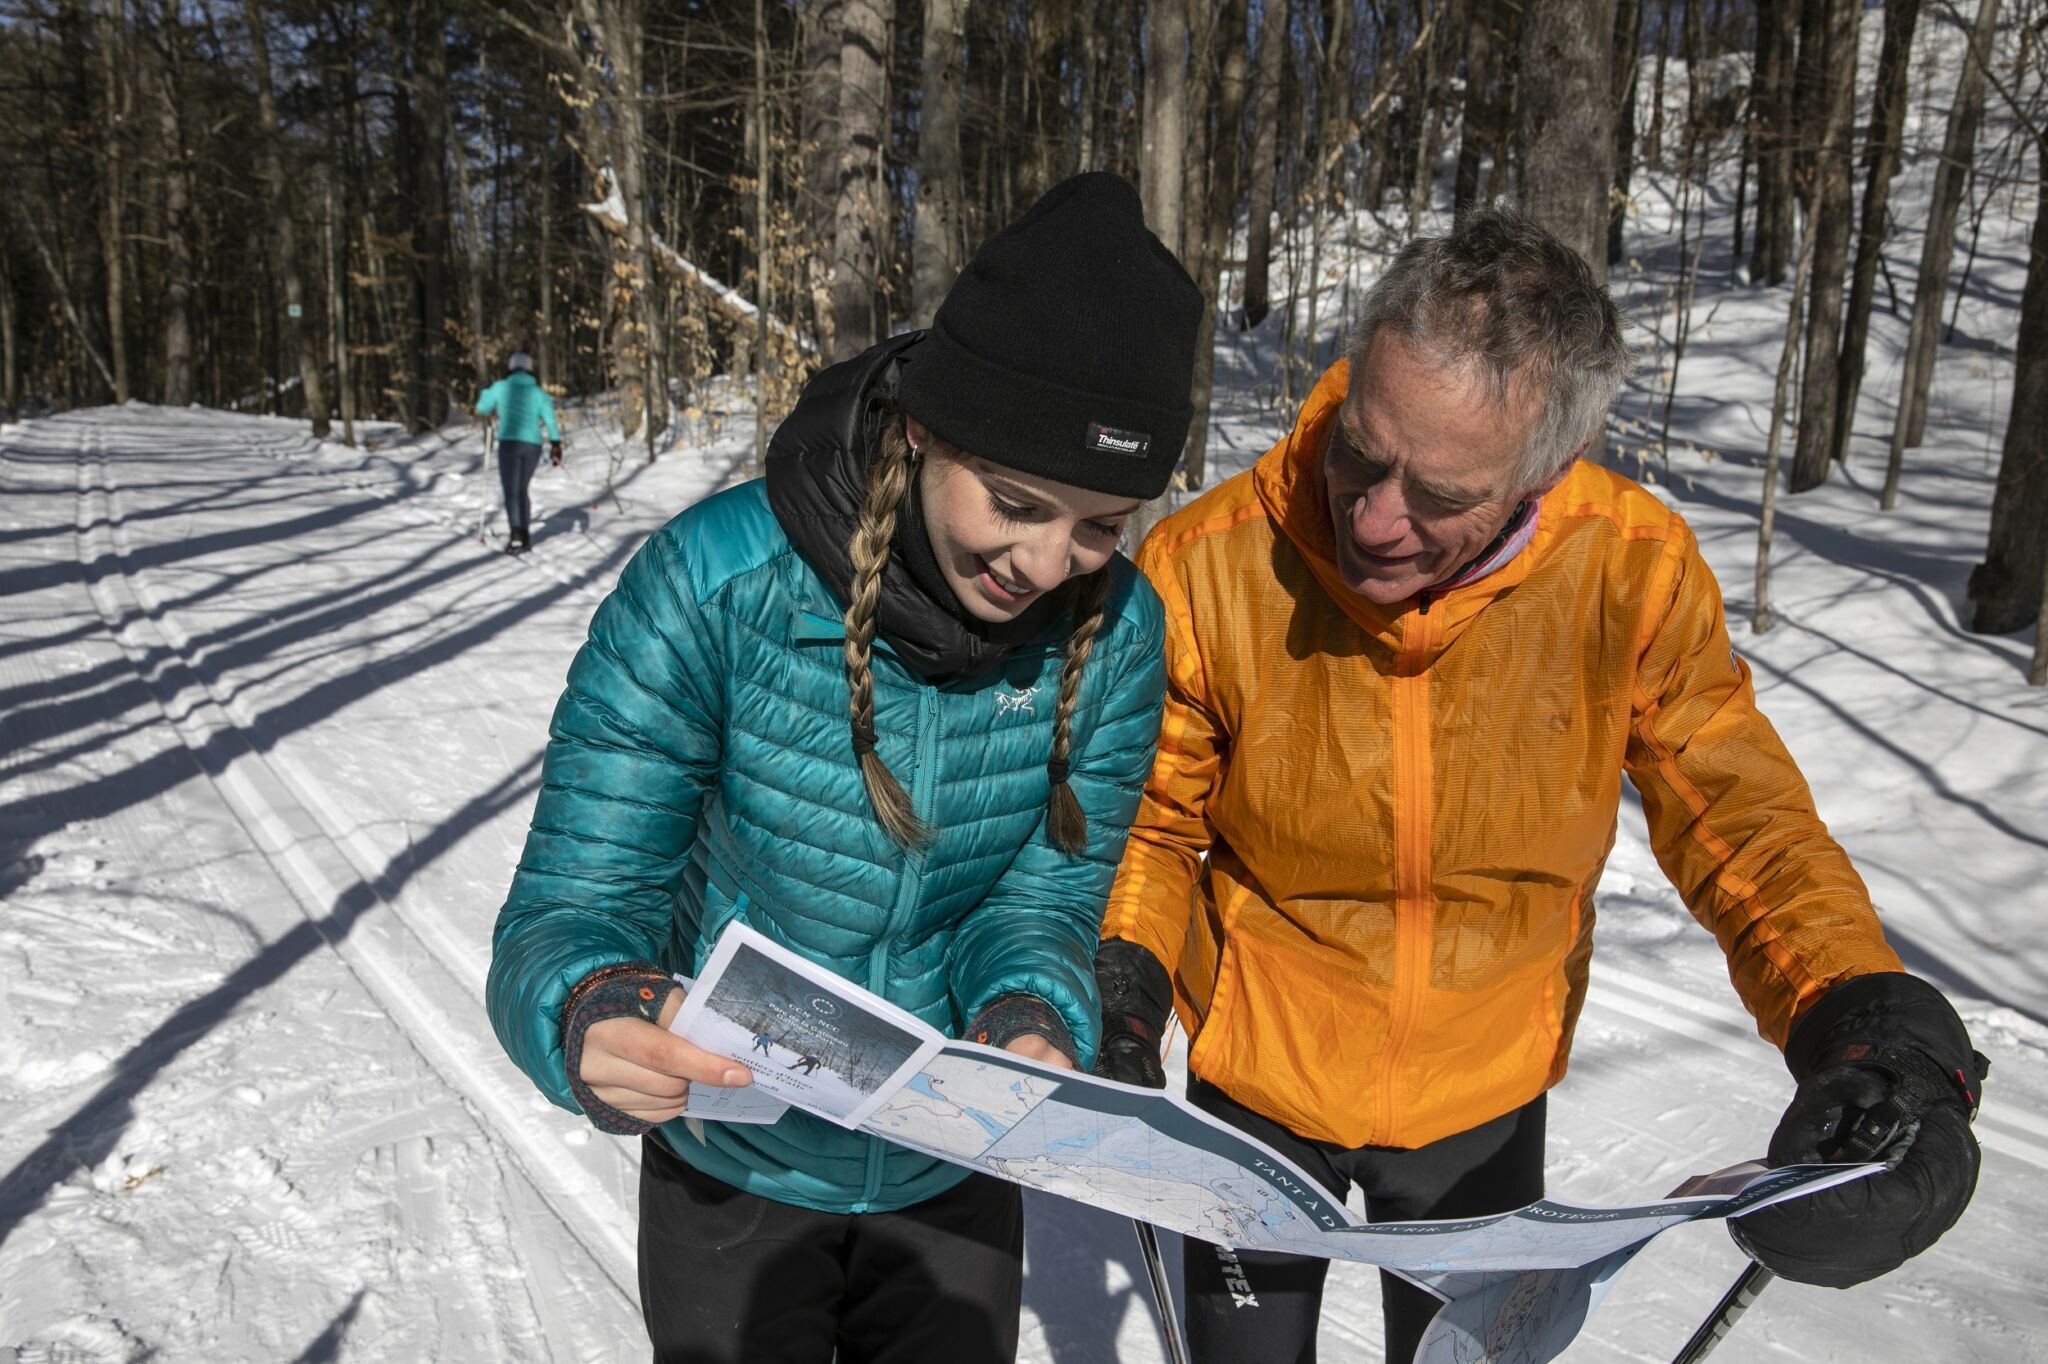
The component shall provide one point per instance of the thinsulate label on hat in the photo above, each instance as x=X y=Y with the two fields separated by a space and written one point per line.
x=1112 y=441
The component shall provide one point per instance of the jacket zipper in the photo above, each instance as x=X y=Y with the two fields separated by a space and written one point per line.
x=1413 y=785
x=906 y=895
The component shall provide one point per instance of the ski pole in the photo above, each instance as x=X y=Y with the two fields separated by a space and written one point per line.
x=483 y=508
x=1155 y=1267
x=1873 y=1133
x=1162 y=1293
x=1748 y=1284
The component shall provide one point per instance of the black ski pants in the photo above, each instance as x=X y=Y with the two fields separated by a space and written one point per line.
x=517 y=459
x=1261 y=1307
x=727 y=1277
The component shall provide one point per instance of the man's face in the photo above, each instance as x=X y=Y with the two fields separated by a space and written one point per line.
x=1420 y=471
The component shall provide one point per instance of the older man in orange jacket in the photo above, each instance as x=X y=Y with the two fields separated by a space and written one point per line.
x=1411 y=654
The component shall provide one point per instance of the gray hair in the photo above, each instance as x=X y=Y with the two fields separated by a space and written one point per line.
x=1503 y=299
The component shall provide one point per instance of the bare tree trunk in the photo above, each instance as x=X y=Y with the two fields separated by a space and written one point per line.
x=1760 y=619
x=10 y=362
x=824 y=33
x=1162 y=159
x=1087 y=41
x=1163 y=167
x=623 y=27
x=77 y=188
x=474 y=268
x=1565 y=103
x=336 y=252
x=1777 y=25
x=62 y=288
x=1332 y=106
x=1199 y=100
x=1482 y=42
x=612 y=129
x=1832 y=194
x=861 y=221
x=1653 y=136
x=939 y=245
x=1925 y=331
x=177 y=172
x=1810 y=100
x=1507 y=102
x=1881 y=163
x=1741 y=184
x=1044 y=25
x=1420 y=189
x=283 y=249
x=1628 y=46
x=551 y=372
x=1217 y=217
x=111 y=112
x=1258 y=227
x=387 y=325
x=1692 y=189
x=2007 y=586
x=1387 y=76
x=762 y=263
x=2037 y=672
x=422 y=126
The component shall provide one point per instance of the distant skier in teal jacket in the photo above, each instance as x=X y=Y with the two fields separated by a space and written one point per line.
x=892 y=705
x=524 y=412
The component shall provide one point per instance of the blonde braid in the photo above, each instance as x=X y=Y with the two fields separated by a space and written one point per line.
x=889 y=475
x=1065 y=819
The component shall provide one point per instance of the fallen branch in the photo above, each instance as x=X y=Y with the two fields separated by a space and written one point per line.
x=611 y=211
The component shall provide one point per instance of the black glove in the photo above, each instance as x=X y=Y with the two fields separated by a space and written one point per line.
x=1136 y=998
x=555 y=452
x=1885 y=1072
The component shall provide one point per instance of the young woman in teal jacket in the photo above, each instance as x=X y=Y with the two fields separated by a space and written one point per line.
x=892 y=705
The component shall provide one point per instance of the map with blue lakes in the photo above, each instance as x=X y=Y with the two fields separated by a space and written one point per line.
x=1150 y=1155
x=1517 y=1285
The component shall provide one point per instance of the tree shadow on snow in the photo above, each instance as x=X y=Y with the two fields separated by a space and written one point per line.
x=1069 y=1249
x=93 y=1132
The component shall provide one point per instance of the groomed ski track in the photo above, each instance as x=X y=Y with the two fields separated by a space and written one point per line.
x=313 y=641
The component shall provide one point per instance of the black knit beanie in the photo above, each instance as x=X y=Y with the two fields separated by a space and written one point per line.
x=1066 y=347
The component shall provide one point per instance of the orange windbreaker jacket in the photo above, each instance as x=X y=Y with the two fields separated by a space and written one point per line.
x=1405 y=809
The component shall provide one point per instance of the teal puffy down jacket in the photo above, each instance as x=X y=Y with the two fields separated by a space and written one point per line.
x=699 y=772
x=523 y=408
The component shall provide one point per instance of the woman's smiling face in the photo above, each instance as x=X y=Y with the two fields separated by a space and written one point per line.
x=1005 y=538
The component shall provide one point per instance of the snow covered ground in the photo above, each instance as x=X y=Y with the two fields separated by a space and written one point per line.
x=271 y=719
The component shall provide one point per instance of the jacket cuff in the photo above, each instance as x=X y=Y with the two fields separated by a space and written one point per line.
x=1009 y=1017
x=634 y=989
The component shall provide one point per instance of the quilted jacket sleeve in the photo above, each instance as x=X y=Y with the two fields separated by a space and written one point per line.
x=1036 y=931
x=632 y=750
x=1731 y=818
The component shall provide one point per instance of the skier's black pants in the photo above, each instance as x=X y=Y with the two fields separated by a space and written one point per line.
x=1259 y=1307
x=517 y=459
x=727 y=1277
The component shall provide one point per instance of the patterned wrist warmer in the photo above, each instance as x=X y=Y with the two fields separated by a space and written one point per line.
x=633 y=989
x=1009 y=1017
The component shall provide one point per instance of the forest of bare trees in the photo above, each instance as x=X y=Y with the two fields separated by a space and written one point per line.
x=352 y=211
